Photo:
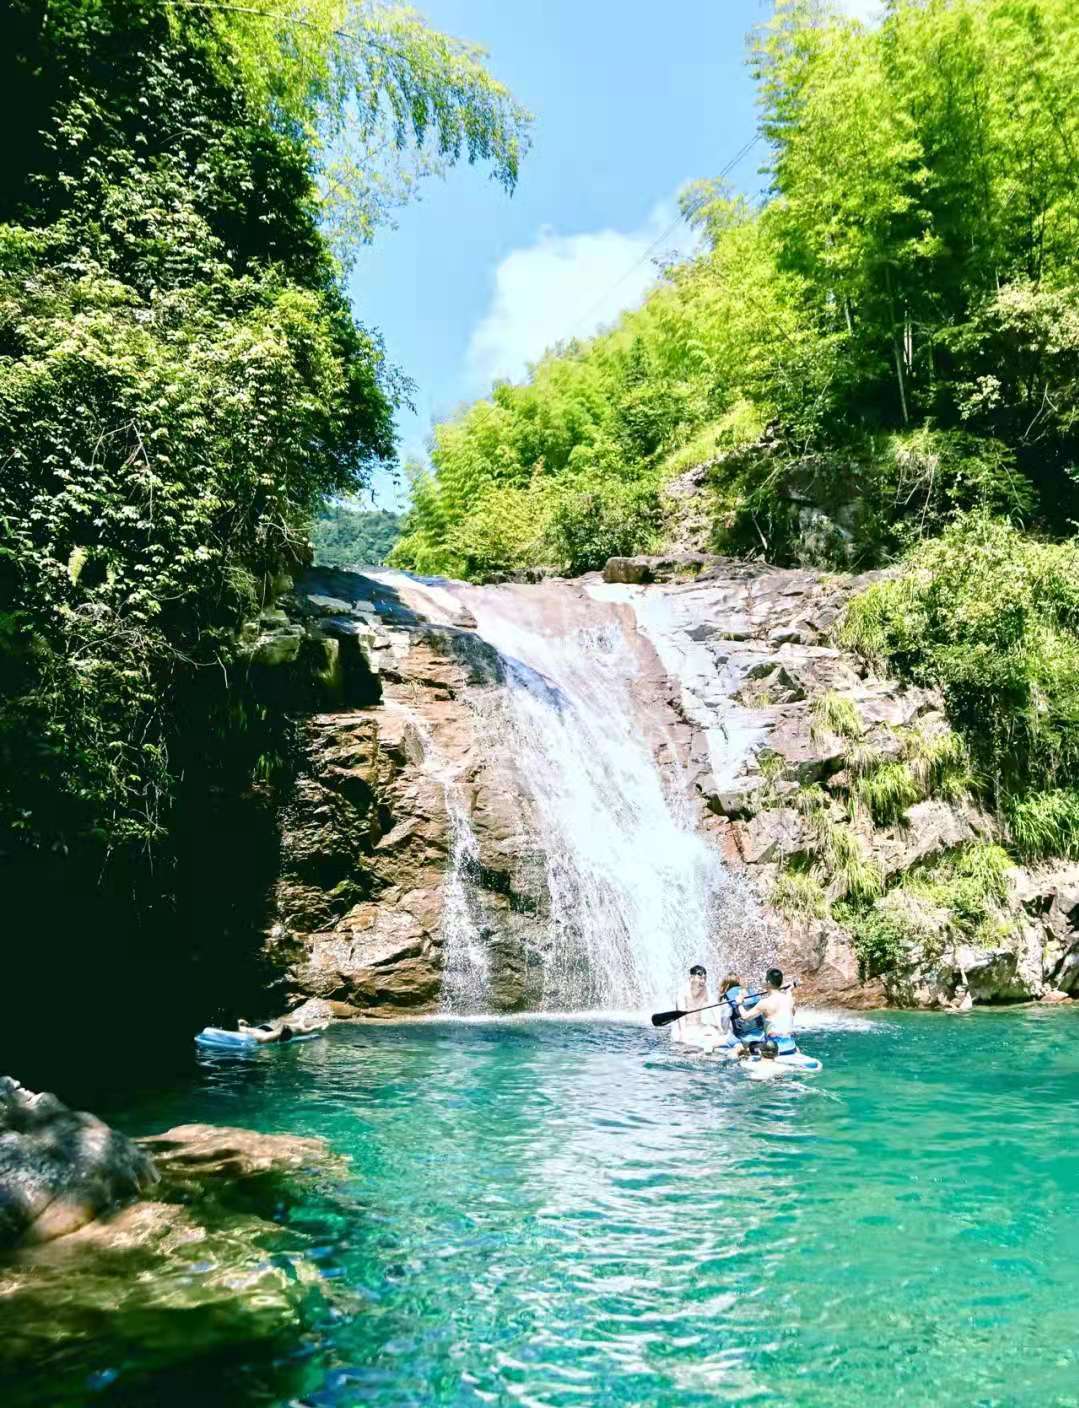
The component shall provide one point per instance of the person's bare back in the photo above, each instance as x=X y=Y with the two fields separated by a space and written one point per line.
x=776 y=1006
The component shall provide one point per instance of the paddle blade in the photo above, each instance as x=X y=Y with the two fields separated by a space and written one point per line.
x=664 y=1019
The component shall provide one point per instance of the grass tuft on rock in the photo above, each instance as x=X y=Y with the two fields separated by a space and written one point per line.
x=886 y=792
x=799 y=894
x=834 y=713
x=1044 y=823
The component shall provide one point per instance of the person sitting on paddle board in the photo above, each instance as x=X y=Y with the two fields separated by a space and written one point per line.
x=744 y=1024
x=697 y=1028
x=776 y=1008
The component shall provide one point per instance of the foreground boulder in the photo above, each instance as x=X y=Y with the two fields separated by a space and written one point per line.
x=60 y=1168
x=209 y=1263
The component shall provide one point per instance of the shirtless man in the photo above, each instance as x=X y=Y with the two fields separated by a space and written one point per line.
x=776 y=1007
x=700 y=1029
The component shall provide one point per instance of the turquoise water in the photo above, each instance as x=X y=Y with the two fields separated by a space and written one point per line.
x=561 y=1213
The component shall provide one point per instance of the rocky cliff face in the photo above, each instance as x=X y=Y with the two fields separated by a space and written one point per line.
x=395 y=778
x=826 y=784
x=841 y=797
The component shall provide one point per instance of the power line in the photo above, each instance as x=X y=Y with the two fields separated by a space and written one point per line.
x=734 y=161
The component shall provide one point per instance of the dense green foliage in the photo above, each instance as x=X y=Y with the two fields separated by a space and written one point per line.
x=992 y=618
x=902 y=314
x=350 y=537
x=182 y=383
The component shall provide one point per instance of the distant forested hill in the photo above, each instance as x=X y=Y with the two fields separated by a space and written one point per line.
x=350 y=537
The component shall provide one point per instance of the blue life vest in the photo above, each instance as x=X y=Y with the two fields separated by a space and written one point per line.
x=743 y=1027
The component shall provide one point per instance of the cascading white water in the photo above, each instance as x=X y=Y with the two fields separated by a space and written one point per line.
x=465 y=966
x=636 y=893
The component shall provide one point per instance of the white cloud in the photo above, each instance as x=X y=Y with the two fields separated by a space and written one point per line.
x=564 y=286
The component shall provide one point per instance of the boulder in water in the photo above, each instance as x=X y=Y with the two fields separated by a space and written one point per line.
x=197 y=1153
x=60 y=1168
x=674 y=567
x=203 y=1268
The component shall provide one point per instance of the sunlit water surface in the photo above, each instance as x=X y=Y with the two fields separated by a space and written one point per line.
x=568 y=1213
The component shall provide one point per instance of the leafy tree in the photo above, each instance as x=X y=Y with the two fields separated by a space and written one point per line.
x=182 y=383
x=901 y=314
x=992 y=619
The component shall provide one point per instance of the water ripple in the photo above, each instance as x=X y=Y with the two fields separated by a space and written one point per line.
x=555 y=1214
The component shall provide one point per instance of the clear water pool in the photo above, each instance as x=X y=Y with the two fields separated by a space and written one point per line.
x=560 y=1213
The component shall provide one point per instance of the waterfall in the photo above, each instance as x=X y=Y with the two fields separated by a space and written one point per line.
x=465 y=965
x=637 y=894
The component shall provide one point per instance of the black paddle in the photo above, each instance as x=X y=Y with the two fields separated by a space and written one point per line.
x=664 y=1019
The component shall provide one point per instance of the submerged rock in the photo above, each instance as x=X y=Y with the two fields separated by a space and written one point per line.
x=190 y=1155
x=60 y=1168
x=204 y=1267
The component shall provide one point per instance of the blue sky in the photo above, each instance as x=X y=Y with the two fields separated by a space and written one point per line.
x=631 y=100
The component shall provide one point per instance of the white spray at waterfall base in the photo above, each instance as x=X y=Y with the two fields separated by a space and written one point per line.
x=637 y=894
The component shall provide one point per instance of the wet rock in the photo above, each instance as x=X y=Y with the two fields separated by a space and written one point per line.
x=319 y=1009
x=771 y=835
x=929 y=828
x=201 y=1268
x=368 y=833
x=382 y=957
x=60 y=1168
x=1049 y=895
x=201 y=1154
x=676 y=567
x=277 y=647
x=819 y=951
